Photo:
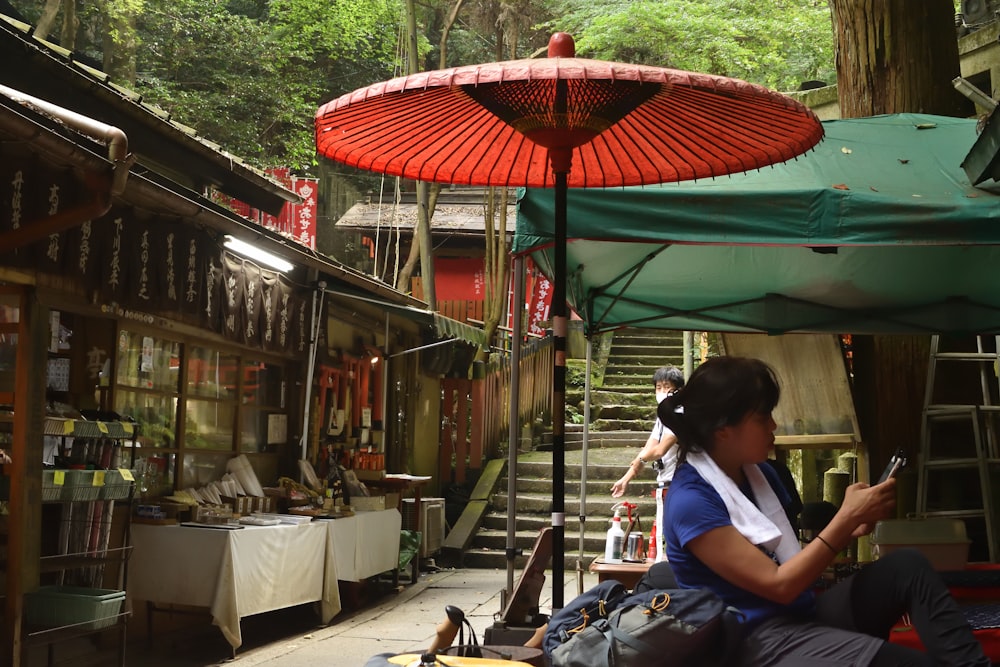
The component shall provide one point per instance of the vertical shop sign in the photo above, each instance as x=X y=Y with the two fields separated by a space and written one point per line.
x=304 y=214
x=234 y=288
x=52 y=251
x=142 y=288
x=284 y=317
x=112 y=281
x=83 y=251
x=17 y=185
x=213 y=296
x=252 y=303
x=541 y=301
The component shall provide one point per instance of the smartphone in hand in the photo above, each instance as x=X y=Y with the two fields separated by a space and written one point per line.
x=896 y=463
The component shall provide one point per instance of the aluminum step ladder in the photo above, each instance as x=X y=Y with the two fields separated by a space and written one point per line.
x=937 y=458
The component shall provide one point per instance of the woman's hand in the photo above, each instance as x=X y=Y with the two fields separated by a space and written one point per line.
x=864 y=505
x=619 y=488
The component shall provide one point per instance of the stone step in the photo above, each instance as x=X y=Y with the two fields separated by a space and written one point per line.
x=644 y=413
x=605 y=396
x=635 y=333
x=593 y=542
x=598 y=503
x=622 y=413
x=603 y=439
x=597 y=487
x=534 y=471
x=497 y=560
x=631 y=366
x=536 y=503
x=622 y=425
x=532 y=523
x=618 y=379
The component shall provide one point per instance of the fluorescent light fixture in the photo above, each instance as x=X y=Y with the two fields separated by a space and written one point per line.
x=253 y=252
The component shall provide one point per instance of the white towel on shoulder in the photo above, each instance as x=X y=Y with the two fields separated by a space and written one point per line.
x=765 y=524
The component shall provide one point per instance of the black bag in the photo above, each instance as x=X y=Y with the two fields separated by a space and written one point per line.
x=581 y=612
x=659 y=628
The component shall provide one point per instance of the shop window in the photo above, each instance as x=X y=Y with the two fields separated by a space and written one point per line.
x=188 y=420
x=209 y=425
x=148 y=362
x=155 y=414
x=264 y=416
x=210 y=406
x=210 y=374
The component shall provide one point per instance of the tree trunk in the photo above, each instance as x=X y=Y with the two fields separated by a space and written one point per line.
x=426 y=196
x=495 y=266
x=897 y=56
x=119 y=43
x=894 y=56
x=47 y=19
x=71 y=23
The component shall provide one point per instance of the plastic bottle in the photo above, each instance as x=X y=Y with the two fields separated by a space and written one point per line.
x=615 y=541
x=651 y=551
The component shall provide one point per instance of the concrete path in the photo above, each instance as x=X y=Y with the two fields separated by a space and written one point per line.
x=394 y=622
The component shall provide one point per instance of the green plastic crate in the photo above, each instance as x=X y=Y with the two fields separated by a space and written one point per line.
x=115 y=486
x=79 y=486
x=57 y=606
x=50 y=491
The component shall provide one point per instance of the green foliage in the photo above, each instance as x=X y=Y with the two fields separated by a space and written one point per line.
x=250 y=74
x=778 y=44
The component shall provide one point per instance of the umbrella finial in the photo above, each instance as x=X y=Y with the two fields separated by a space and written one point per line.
x=561 y=45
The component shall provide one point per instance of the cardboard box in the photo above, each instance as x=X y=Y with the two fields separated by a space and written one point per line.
x=371 y=503
x=242 y=505
x=368 y=475
x=265 y=504
x=943 y=541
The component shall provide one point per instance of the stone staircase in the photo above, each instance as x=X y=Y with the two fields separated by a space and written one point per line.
x=622 y=413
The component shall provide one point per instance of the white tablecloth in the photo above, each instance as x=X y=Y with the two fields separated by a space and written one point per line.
x=365 y=544
x=235 y=573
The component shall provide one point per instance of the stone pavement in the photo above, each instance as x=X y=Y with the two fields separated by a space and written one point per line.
x=390 y=622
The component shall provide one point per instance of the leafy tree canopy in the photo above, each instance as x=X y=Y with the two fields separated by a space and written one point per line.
x=249 y=74
x=779 y=43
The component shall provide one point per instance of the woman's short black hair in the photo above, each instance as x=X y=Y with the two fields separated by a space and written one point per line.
x=721 y=392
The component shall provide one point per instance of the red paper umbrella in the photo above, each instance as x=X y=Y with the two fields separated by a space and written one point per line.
x=562 y=122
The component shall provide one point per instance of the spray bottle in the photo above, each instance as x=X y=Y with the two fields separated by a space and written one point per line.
x=615 y=541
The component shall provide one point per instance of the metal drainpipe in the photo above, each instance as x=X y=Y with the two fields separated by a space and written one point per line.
x=101 y=201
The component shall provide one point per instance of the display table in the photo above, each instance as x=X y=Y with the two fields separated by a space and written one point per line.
x=405 y=484
x=237 y=573
x=365 y=544
x=627 y=573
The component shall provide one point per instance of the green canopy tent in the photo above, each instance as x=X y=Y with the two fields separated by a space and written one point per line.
x=877 y=230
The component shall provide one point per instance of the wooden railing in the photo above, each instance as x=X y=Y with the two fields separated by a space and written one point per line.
x=476 y=413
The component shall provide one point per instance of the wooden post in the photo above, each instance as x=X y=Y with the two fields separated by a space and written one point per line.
x=461 y=425
x=445 y=440
x=24 y=534
x=479 y=414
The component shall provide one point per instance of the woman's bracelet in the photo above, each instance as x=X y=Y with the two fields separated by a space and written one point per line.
x=637 y=460
x=828 y=545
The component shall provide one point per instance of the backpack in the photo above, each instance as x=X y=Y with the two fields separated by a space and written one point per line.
x=581 y=612
x=657 y=628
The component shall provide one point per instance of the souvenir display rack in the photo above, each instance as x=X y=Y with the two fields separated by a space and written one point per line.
x=85 y=536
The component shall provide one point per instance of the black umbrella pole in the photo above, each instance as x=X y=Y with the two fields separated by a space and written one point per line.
x=559 y=330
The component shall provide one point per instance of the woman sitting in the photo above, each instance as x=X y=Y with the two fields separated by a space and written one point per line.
x=727 y=530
